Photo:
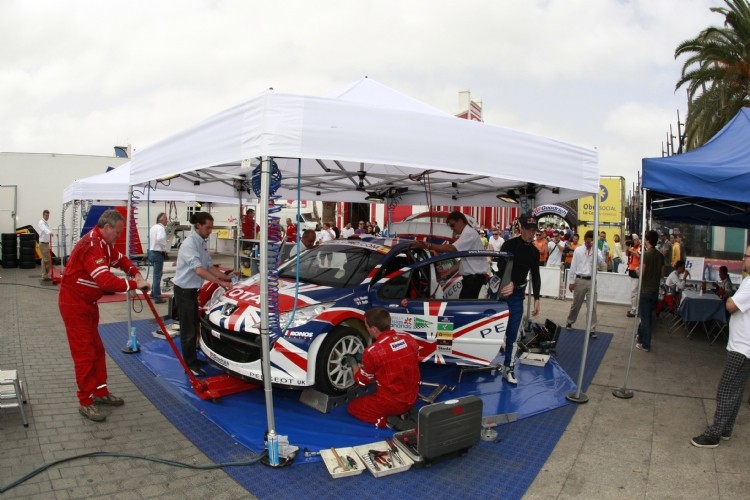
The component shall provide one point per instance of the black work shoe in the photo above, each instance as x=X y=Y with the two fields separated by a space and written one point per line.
x=630 y=314
x=593 y=335
x=110 y=400
x=197 y=371
x=704 y=441
x=568 y=325
x=726 y=435
x=92 y=413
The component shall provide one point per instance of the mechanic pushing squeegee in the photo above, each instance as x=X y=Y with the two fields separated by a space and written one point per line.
x=210 y=387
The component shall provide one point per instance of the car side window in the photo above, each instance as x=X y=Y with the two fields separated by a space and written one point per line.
x=395 y=288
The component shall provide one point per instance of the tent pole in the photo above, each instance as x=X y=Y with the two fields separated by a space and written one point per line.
x=577 y=396
x=128 y=236
x=623 y=392
x=265 y=183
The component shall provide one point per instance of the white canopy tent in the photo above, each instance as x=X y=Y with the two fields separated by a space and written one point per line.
x=366 y=138
x=114 y=186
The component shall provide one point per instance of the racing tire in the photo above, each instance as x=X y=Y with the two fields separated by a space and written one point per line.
x=9 y=263
x=27 y=265
x=27 y=237
x=332 y=376
x=28 y=253
x=9 y=238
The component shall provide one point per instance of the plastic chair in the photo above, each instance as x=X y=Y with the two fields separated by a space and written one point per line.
x=11 y=392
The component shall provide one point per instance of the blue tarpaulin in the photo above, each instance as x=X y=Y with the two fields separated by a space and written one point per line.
x=709 y=185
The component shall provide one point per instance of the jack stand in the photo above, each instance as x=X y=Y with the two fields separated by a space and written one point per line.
x=490 y=423
x=436 y=392
x=327 y=402
x=132 y=345
x=471 y=369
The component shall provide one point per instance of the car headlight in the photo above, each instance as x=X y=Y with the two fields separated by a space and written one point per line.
x=217 y=295
x=302 y=315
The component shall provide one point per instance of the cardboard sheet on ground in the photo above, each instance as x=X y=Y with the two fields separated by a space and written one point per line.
x=243 y=416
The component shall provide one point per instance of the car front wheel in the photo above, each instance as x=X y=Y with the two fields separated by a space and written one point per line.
x=332 y=375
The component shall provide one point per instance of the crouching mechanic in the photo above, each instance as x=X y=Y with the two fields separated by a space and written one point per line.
x=392 y=361
x=87 y=276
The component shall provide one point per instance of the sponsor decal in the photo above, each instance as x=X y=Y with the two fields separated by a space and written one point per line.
x=398 y=345
x=301 y=335
x=215 y=357
x=421 y=324
x=228 y=309
x=444 y=329
x=361 y=301
x=401 y=322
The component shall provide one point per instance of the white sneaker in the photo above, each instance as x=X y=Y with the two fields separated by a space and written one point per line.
x=510 y=376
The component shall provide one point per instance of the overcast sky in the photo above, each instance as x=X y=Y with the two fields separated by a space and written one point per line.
x=82 y=76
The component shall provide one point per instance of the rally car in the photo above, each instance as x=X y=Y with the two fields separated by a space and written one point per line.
x=323 y=294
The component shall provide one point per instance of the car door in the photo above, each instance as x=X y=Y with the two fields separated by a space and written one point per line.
x=424 y=301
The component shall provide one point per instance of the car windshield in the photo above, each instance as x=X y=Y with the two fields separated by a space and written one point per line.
x=337 y=266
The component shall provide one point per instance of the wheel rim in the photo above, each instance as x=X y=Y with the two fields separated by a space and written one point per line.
x=341 y=376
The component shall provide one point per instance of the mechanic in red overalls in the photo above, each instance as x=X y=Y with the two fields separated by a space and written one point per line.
x=87 y=276
x=392 y=361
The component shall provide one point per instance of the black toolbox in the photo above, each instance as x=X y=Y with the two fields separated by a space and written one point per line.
x=449 y=427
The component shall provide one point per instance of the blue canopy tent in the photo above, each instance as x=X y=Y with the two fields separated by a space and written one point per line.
x=709 y=185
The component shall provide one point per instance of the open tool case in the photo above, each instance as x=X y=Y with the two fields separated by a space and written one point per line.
x=450 y=427
x=388 y=463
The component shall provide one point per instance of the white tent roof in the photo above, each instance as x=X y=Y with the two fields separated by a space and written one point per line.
x=114 y=186
x=396 y=141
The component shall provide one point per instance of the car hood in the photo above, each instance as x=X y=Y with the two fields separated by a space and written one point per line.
x=239 y=307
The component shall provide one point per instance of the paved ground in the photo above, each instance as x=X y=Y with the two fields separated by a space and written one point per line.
x=613 y=448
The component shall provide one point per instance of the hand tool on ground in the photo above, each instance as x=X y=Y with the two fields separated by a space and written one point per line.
x=371 y=460
x=394 y=451
x=341 y=463
x=309 y=453
x=380 y=457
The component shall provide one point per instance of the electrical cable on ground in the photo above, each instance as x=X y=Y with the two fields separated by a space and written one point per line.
x=96 y=454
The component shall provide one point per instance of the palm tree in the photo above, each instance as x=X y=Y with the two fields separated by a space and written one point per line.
x=717 y=73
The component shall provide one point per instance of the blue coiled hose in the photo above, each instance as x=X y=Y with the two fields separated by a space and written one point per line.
x=275 y=241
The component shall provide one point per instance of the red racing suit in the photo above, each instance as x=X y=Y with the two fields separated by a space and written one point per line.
x=87 y=276
x=392 y=361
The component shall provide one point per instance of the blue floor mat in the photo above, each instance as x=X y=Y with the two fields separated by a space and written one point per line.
x=504 y=469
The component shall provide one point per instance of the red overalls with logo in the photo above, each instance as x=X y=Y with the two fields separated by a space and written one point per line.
x=392 y=361
x=87 y=276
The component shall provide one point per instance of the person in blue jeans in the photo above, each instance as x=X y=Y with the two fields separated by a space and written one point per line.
x=653 y=264
x=157 y=251
x=525 y=260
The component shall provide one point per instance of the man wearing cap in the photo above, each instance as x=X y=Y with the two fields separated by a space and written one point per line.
x=525 y=260
x=665 y=247
x=473 y=270
x=633 y=252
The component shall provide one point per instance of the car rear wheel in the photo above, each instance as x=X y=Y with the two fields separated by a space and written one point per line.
x=332 y=376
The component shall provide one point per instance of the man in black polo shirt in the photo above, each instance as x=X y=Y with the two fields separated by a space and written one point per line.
x=525 y=259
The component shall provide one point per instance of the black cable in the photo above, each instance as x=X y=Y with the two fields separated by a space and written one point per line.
x=95 y=454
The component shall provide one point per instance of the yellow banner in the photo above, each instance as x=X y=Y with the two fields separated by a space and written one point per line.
x=222 y=232
x=611 y=191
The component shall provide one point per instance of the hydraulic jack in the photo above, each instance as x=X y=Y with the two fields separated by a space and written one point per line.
x=208 y=388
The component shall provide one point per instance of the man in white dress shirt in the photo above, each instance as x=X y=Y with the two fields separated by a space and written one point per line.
x=44 y=234
x=580 y=268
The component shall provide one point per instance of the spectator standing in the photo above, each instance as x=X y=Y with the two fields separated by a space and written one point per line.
x=44 y=241
x=157 y=252
x=327 y=233
x=194 y=266
x=361 y=228
x=633 y=252
x=347 y=231
x=375 y=228
x=541 y=246
x=653 y=265
x=496 y=241
x=665 y=248
x=580 y=270
x=731 y=389
x=676 y=250
x=570 y=248
x=291 y=231
x=618 y=254
x=87 y=276
x=555 y=249
x=603 y=247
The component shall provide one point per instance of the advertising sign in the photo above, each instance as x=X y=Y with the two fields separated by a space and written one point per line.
x=610 y=202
